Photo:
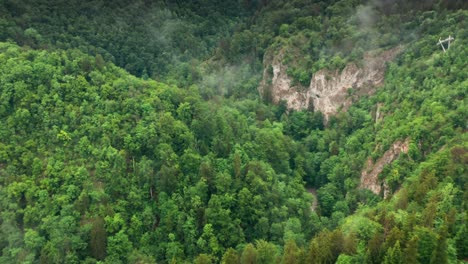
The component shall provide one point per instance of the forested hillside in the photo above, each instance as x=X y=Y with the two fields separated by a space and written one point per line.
x=133 y=132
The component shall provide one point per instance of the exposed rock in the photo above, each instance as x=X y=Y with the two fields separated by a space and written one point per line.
x=277 y=86
x=313 y=192
x=328 y=90
x=370 y=175
x=378 y=115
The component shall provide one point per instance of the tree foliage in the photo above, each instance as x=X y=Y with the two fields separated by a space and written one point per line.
x=99 y=162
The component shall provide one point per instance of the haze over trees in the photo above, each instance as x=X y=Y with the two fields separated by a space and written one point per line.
x=133 y=132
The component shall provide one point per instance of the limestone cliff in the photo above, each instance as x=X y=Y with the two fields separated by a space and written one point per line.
x=328 y=91
x=277 y=85
x=370 y=174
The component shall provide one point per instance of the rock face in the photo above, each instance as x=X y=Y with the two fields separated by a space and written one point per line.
x=277 y=85
x=328 y=91
x=370 y=174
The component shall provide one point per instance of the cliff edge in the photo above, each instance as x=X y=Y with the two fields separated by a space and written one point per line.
x=329 y=91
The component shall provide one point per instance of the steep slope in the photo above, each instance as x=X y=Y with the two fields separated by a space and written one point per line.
x=277 y=86
x=156 y=39
x=370 y=174
x=329 y=91
x=405 y=142
x=99 y=166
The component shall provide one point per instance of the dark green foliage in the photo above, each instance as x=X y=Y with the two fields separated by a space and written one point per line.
x=144 y=37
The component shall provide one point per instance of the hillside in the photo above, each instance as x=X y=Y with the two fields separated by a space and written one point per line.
x=233 y=132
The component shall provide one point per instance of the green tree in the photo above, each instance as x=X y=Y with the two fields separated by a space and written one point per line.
x=440 y=253
x=249 y=254
x=203 y=259
x=426 y=244
x=118 y=247
x=293 y=231
x=394 y=255
x=410 y=253
x=208 y=242
x=98 y=239
x=292 y=253
x=230 y=257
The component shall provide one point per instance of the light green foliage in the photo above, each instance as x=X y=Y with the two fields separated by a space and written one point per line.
x=118 y=247
x=394 y=255
x=122 y=163
x=97 y=165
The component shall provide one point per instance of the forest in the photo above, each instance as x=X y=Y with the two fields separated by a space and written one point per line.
x=136 y=132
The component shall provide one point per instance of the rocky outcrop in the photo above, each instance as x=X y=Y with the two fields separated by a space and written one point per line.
x=378 y=114
x=328 y=91
x=276 y=85
x=370 y=174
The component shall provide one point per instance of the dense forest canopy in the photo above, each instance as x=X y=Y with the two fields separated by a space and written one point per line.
x=134 y=132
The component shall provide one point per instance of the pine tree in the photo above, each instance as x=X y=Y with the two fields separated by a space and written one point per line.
x=230 y=257
x=394 y=255
x=313 y=254
x=439 y=255
x=97 y=243
x=249 y=255
x=291 y=253
x=410 y=255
